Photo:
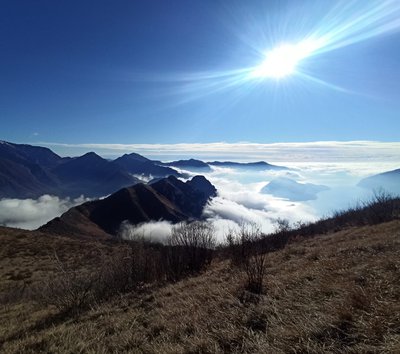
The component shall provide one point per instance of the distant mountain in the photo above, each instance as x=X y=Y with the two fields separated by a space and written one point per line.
x=24 y=153
x=191 y=165
x=167 y=199
x=20 y=181
x=290 y=189
x=260 y=165
x=25 y=170
x=91 y=175
x=388 y=181
x=139 y=165
x=30 y=171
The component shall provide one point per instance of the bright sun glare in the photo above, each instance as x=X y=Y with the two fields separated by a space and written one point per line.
x=282 y=61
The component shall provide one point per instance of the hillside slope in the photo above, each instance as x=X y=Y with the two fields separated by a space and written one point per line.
x=335 y=293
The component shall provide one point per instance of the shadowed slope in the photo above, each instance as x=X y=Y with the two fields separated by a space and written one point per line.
x=167 y=199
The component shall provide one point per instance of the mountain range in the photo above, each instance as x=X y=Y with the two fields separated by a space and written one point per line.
x=190 y=165
x=166 y=199
x=30 y=171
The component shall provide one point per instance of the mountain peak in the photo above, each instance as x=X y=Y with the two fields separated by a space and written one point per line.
x=168 y=199
x=90 y=155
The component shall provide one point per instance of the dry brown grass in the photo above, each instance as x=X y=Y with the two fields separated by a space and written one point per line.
x=337 y=293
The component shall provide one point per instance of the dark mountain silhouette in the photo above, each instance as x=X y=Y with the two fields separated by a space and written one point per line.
x=388 y=181
x=260 y=165
x=92 y=174
x=202 y=184
x=190 y=197
x=24 y=170
x=28 y=153
x=140 y=165
x=167 y=199
x=30 y=171
x=191 y=165
x=19 y=181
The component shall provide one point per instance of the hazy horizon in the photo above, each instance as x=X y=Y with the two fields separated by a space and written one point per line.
x=318 y=151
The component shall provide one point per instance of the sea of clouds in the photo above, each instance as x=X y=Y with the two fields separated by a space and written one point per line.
x=240 y=198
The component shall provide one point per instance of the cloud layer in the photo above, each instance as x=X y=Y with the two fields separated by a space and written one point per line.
x=320 y=151
x=240 y=199
x=31 y=213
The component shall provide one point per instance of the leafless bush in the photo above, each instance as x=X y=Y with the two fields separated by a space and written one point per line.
x=68 y=290
x=246 y=252
x=282 y=225
x=133 y=265
x=190 y=249
x=380 y=208
x=71 y=290
x=241 y=243
x=255 y=272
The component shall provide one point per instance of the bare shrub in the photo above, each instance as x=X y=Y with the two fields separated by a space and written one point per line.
x=68 y=290
x=246 y=253
x=380 y=208
x=241 y=243
x=190 y=248
x=71 y=290
x=282 y=225
x=255 y=272
x=132 y=266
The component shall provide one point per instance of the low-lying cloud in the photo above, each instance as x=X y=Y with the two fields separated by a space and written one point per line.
x=31 y=213
x=240 y=199
x=156 y=231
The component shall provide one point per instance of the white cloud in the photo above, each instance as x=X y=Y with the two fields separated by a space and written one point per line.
x=157 y=231
x=239 y=199
x=319 y=151
x=32 y=213
x=225 y=213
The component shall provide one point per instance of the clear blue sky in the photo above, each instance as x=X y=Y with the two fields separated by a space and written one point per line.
x=134 y=71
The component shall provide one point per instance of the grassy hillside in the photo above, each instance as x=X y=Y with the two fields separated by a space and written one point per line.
x=335 y=293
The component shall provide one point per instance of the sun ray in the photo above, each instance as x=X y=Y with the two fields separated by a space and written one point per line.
x=286 y=55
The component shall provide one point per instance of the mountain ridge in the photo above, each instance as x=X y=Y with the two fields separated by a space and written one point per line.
x=389 y=181
x=168 y=199
x=30 y=171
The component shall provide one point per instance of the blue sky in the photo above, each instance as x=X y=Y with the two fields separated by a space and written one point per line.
x=157 y=72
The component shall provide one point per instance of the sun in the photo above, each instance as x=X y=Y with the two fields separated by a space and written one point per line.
x=283 y=60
